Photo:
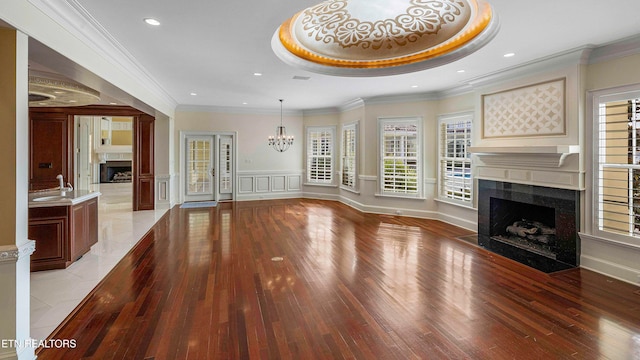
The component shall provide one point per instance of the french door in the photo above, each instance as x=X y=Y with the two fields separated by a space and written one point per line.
x=209 y=167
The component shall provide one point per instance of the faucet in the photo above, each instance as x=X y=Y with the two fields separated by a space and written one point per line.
x=61 y=180
x=69 y=187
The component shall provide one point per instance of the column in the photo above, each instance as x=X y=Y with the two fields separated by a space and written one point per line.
x=15 y=248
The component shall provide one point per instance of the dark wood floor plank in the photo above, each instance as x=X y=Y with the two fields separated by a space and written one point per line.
x=203 y=284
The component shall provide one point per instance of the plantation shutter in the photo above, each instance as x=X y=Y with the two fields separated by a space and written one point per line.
x=400 y=157
x=320 y=142
x=455 y=160
x=349 y=156
x=619 y=167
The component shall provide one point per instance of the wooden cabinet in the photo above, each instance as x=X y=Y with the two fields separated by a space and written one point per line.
x=62 y=233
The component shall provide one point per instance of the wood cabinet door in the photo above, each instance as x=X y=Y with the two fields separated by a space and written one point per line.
x=78 y=230
x=92 y=222
x=50 y=150
x=143 y=169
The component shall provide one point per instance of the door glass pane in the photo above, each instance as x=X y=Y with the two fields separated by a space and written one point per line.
x=198 y=167
x=225 y=166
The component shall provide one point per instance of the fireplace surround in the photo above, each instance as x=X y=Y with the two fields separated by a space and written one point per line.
x=550 y=244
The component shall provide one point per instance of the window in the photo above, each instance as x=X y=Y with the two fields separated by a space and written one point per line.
x=320 y=155
x=400 y=166
x=617 y=164
x=455 y=179
x=348 y=156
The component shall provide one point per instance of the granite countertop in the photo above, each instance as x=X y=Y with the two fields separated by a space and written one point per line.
x=60 y=198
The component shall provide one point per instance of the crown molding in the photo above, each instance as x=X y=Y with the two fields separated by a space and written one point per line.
x=617 y=49
x=351 y=105
x=237 y=110
x=74 y=18
x=390 y=99
x=322 y=111
x=576 y=56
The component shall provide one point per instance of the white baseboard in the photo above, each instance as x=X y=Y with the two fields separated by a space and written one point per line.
x=321 y=196
x=382 y=210
x=268 y=196
x=471 y=225
x=610 y=257
x=614 y=270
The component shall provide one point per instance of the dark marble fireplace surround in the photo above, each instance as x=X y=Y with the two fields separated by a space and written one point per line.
x=110 y=168
x=501 y=204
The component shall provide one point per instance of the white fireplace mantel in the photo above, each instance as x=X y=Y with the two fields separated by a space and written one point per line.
x=543 y=165
x=544 y=156
x=114 y=152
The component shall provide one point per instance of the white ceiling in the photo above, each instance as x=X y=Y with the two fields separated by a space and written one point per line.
x=212 y=48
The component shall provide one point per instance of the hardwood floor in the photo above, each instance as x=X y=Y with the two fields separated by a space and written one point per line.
x=203 y=284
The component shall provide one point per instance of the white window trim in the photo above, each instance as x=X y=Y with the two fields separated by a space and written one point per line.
x=419 y=154
x=332 y=131
x=446 y=119
x=595 y=98
x=355 y=127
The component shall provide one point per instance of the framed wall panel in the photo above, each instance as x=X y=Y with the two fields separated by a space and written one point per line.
x=529 y=111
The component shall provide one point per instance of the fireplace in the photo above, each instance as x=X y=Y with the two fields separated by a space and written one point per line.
x=115 y=171
x=534 y=225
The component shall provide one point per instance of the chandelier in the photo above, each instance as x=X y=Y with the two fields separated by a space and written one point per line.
x=281 y=141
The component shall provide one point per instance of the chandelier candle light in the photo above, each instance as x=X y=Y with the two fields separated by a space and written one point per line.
x=281 y=142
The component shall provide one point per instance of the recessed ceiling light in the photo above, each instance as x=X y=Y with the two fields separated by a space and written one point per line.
x=257 y=74
x=461 y=71
x=112 y=103
x=414 y=86
x=193 y=94
x=58 y=92
x=245 y=103
x=508 y=55
x=152 y=21
x=72 y=101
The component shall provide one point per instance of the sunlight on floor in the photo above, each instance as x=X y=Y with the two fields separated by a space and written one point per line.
x=55 y=293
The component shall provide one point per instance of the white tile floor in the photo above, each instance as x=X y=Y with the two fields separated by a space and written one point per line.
x=55 y=293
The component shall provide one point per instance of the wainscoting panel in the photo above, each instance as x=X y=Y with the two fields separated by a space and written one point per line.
x=295 y=183
x=278 y=183
x=245 y=184
x=257 y=185
x=163 y=191
x=262 y=184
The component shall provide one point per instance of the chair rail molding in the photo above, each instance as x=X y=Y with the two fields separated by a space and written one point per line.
x=12 y=253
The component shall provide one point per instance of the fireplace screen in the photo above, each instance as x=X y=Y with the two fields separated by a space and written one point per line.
x=526 y=226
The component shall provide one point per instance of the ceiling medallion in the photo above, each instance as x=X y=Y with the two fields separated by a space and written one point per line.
x=382 y=37
x=47 y=92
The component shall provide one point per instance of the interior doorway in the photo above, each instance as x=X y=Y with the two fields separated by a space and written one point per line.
x=103 y=151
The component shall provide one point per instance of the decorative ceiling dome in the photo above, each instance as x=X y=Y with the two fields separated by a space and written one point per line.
x=383 y=37
x=44 y=91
